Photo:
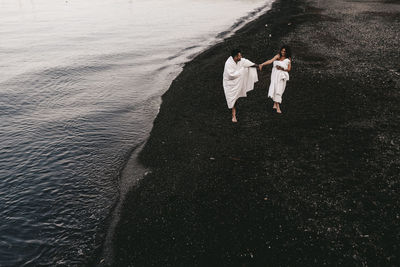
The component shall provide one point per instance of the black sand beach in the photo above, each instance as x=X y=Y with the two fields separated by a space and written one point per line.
x=317 y=185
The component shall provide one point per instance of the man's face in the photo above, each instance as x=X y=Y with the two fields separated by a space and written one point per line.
x=238 y=57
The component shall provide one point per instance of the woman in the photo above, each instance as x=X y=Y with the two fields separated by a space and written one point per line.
x=279 y=76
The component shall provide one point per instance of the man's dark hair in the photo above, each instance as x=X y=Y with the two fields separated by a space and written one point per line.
x=235 y=52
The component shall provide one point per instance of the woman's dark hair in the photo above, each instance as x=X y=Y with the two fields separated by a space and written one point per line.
x=235 y=52
x=288 y=51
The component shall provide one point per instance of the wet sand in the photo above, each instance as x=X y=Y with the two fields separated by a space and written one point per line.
x=317 y=185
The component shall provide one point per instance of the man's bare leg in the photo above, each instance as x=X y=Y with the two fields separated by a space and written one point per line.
x=234 y=114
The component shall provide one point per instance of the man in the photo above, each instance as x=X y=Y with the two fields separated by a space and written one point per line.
x=239 y=77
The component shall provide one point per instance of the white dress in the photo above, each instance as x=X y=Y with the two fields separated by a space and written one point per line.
x=278 y=80
x=238 y=79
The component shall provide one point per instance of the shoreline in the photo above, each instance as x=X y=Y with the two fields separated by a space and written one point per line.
x=103 y=254
x=261 y=190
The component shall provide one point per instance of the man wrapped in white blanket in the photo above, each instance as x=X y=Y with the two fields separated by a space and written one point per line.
x=239 y=77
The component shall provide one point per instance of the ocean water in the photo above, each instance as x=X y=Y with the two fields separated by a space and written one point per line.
x=80 y=85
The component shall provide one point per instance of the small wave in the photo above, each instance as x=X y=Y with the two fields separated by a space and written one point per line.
x=162 y=68
x=174 y=56
x=190 y=47
x=46 y=89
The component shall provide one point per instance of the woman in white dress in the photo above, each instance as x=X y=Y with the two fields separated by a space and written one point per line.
x=279 y=76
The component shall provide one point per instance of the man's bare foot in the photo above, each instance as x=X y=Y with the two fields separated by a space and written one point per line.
x=234 y=119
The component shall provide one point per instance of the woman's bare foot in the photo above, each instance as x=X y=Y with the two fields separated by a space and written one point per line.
x=234 y=119
x=275 y=105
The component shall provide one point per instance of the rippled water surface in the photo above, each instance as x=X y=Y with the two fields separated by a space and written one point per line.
x=80 y=84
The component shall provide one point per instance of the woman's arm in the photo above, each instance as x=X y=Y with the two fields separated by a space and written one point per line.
x=289 y=66
x=269 y=61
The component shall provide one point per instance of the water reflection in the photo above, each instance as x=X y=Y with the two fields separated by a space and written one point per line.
x=80 y=85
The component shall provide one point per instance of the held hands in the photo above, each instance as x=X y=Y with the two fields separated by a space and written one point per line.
x=278 y=67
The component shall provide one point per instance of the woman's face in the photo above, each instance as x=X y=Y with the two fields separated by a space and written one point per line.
x=283 y=52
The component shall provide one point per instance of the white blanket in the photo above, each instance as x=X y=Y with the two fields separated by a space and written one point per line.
x=239 y=78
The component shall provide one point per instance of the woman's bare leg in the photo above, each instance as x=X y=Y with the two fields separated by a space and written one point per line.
x=278 y=108
x=274 y=107
x=234 y=114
